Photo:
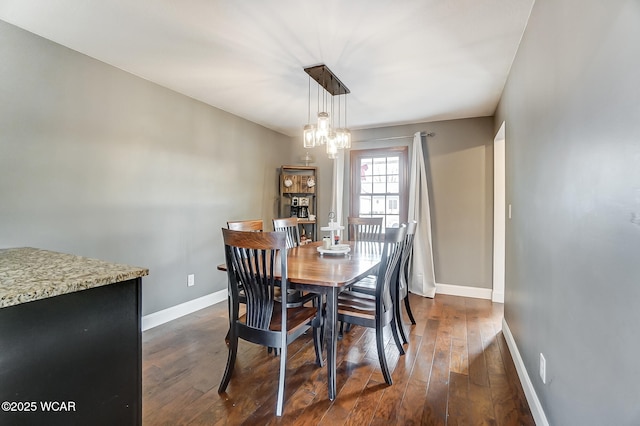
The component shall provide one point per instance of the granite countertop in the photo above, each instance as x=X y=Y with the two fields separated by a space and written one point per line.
x=28 y=274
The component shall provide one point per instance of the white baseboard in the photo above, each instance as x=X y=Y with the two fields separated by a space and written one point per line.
x=497 y=297
x=532 y=398
x=158 y=318
x=464 y=291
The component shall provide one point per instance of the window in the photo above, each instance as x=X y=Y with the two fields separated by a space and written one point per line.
x=378 y=184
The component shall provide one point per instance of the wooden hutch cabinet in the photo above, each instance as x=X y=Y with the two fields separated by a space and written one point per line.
x=298 y=197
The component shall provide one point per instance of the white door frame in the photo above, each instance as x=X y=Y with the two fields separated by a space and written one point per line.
x=499 y=220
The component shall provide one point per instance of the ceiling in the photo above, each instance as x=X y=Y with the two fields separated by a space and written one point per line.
x=404 y=62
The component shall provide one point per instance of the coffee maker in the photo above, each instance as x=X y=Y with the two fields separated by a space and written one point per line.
x=303 y=207
x=294 y=207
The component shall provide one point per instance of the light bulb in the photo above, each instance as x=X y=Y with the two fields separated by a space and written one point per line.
x=309 y=136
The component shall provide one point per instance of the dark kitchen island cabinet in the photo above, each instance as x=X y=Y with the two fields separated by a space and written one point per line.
x=70 y=340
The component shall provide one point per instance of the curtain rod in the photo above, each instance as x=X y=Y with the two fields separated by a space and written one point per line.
x=423 y=133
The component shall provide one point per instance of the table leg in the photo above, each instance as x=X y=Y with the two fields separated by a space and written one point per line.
x=332 y=335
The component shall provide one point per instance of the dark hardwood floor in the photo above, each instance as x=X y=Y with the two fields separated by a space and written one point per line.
x=457 y=371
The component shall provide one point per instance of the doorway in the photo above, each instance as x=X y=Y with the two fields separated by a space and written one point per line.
x=499 y=216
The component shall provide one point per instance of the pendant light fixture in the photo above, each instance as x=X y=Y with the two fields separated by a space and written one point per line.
x=309 y=134
x=324 y=132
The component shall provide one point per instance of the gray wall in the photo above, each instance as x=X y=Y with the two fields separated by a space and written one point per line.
x=97 y=162
x=572 y=112
x=460 y=162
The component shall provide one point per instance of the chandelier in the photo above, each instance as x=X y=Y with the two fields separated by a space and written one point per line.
x=324 y=130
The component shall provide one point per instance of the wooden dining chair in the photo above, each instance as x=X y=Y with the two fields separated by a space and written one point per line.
x=403 y=276
x=294 y=298
x=245 y=225
x=377 y=311
x=364 y=228
x=252 y=259
x=400 y=286
x=290 y=226
x=252 y=225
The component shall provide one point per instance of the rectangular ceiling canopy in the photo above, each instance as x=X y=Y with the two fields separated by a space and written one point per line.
x=328 y=80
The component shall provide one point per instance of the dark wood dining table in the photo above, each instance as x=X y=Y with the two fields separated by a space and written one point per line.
x=328 y=275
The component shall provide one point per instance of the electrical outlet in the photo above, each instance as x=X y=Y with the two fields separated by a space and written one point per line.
x=509 y=211
x=543 y=368
x=191 y=280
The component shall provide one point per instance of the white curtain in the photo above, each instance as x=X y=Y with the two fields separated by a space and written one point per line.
x=423 y=280
x=338 y=187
